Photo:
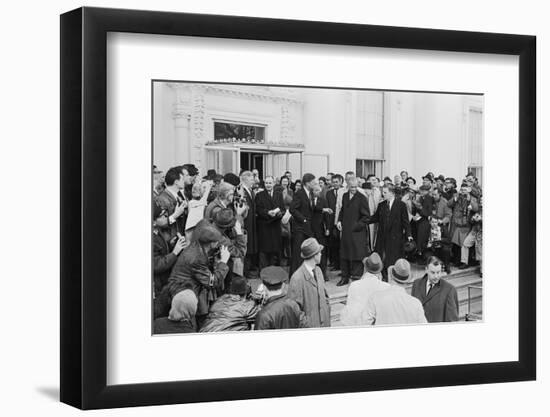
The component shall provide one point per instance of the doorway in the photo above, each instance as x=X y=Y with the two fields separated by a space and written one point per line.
x=252 y=160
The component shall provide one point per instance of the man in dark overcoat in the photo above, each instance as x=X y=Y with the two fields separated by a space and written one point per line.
x=301 y=210
x=248 y=195
x=438 y=297
x=393 y=228
x=352 y=222
x=269 y=209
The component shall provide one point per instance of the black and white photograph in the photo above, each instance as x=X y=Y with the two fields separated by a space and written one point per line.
x=289 y=207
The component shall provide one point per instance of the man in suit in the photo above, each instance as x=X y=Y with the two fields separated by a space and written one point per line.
x=307 y=286
x=301 y=210
x=170 y=199
x=320 y=224
x=334 y=236
x=352 y=222
x=248 y=195
x=270 y=209
x=393 y=227
x=438 y=297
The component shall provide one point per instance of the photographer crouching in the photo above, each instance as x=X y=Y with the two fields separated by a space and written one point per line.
x=201 y=268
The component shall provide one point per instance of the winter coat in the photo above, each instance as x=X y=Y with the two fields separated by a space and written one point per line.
x=354 y=215
x=230 y=312
x=269 y=228
x=311 y=295
x=279 y=312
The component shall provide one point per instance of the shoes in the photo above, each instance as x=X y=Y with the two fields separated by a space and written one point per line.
x=342 y=282
x=462 y=265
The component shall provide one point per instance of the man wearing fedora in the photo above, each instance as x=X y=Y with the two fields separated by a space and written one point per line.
x=201 y=268
x=438 y=297
x=234 y=239
x=232 y=311
x=279 y=311
x=393 y=305
x=307 y=286
x=354 y=313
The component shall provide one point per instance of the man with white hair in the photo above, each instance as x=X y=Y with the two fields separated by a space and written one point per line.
x=393 y=305
x=352 y=222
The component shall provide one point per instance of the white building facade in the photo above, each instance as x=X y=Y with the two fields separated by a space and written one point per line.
x=275 y=129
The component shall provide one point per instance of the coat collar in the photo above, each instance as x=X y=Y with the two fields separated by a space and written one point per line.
x=435 y=290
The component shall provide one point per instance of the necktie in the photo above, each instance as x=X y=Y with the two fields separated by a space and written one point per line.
x=311 y=199
x=430 y=286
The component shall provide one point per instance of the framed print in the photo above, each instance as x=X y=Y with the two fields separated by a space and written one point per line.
x=293 y=207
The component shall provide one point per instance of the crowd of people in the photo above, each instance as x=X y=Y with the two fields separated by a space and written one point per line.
x=212 y=234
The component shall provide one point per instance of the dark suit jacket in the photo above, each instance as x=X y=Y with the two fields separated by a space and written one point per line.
x=269 y=228
x=331 y=202
x=250 y=222
x=441 y=304
x=393 y=229
x=301 y=212
x=168 y=202
x=319 y=220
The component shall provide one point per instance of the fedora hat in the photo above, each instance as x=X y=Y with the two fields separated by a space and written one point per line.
x=310 y=247
x=373 y=263
x=400 y=271
x=225 y=219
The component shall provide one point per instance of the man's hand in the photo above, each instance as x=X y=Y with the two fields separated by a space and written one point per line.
x=339 y=226
x=240 y=210
x=181 y=244
x=327 y=210
x=271 y=213
x=327 y=232
x=180 y=208
x=238 y=228
x=224 y=254
x=410 y=238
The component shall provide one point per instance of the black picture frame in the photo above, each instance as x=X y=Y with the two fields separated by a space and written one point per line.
x=84 y=207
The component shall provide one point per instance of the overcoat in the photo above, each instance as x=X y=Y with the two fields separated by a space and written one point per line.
x=440 y=304
x=279 y=312
x=163 y=261
x=194 y=271
x=268 y=227
x=301 y=211
x=250 y=222
x=354 y=215
x=311 y=295
x=393 y=229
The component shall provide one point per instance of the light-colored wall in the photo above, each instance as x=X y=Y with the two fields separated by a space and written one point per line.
x=164 y=146
x=422 y=132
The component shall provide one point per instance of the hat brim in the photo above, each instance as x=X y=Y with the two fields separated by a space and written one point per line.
x=321 y=247
x=397 y=278
x=374 y=271
x=228 y=225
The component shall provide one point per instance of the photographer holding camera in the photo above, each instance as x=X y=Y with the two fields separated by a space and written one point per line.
x=201 y=268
